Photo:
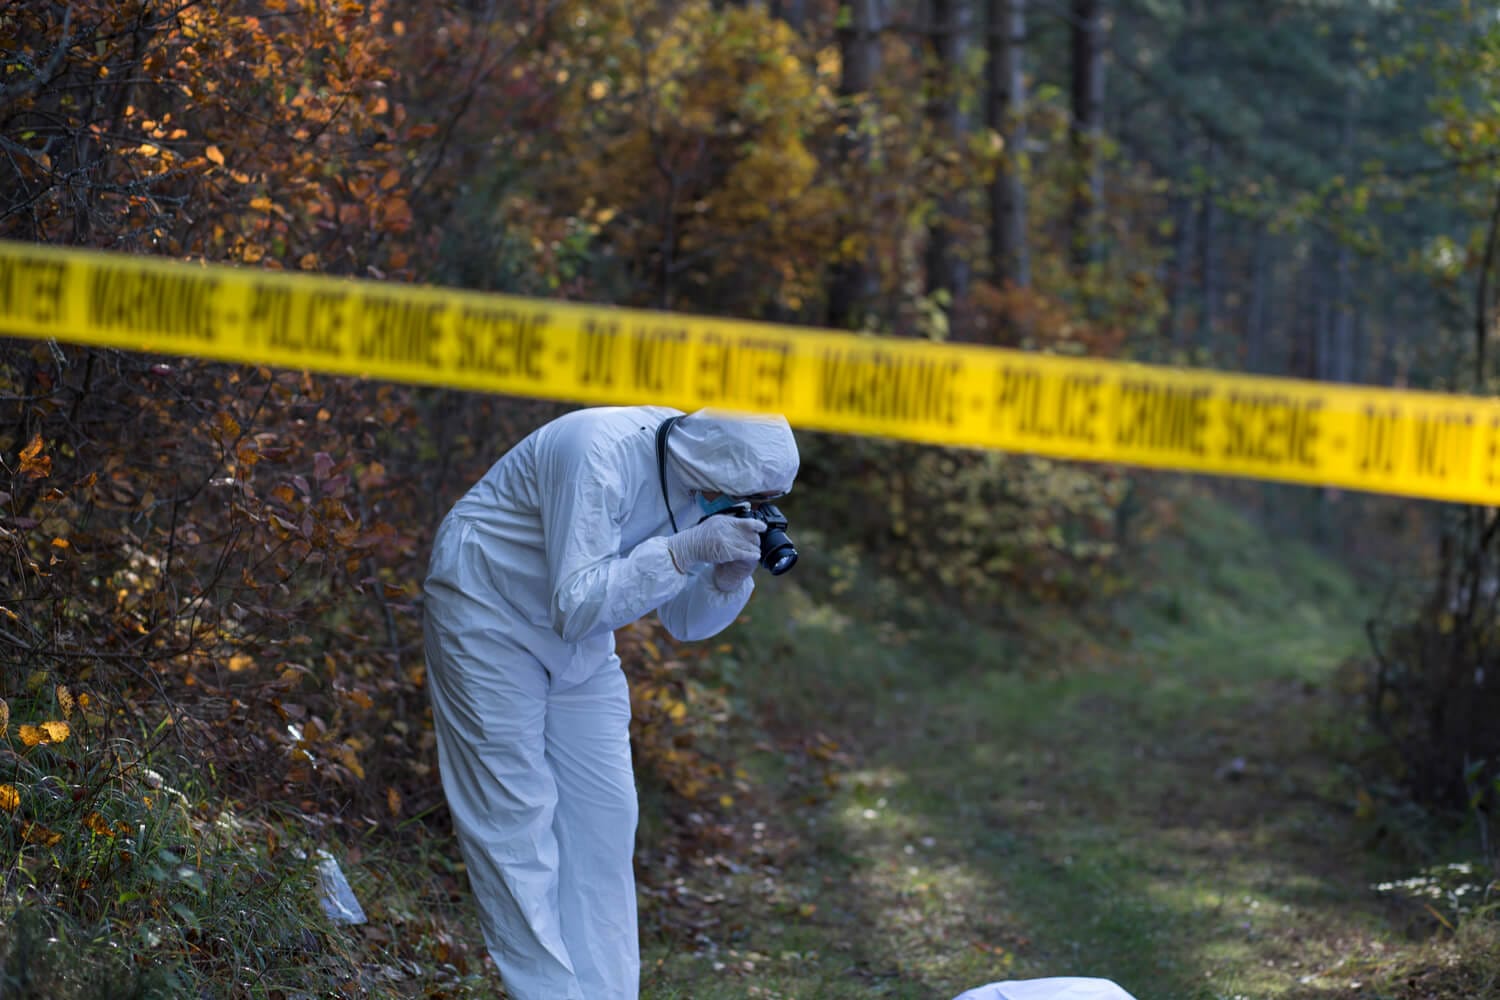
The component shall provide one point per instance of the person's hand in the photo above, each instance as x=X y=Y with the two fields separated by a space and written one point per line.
x=728 y=576
x=717 y=540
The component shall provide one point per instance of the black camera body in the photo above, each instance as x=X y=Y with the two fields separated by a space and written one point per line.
x=777 y=553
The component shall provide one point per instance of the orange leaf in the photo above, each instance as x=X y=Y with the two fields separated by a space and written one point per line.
x=4 y=716
x=35 y=465
x=96 y=824
x=393 y=800
x=391 y=178
x=10 y=799
x=212 y=152
x=36 y=833
x=397 y=214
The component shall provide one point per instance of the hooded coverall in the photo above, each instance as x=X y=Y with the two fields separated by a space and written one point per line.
x=559 y=544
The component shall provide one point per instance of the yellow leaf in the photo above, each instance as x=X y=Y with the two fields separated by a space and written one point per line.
x=35 y=465
x=36 y=833
x=31 y=735
x=10 y=799
x=678 y=711
x=351 y=761
x=4 y=717
x=393 y=800
x=57 y=731
x=212 y=152
x=97 y=826
x=64 y=700
x=726 y=801
x=261 y=204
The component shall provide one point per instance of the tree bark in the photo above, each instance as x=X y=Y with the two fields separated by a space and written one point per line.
x=1257 y=312
x=793 y=12
x=951 y=22
x=1005 y=108
x=1179 y=295
x=852 y=281
x=1209 y=258
x=1088 y=107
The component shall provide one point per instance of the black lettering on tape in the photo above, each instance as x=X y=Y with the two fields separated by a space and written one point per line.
x=742 y=371
x=889 y=385
x=179 y=306
x=1160 y=416
x=398 y=330
x=501 y=341
x=1492 y=453
x=1442 y=444
x=1035 y=405
x=657 y=357
x=1271 y=428
x=598 y=347
x=1377 y=440
x=286 y=320
x=31 y=290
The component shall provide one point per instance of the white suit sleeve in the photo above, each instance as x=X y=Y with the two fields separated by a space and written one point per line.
x=701 y=610
x=594 y=589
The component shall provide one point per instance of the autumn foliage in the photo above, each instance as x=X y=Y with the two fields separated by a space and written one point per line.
x=221 y=565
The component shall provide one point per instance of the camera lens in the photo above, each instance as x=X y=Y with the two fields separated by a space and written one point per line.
x=777 y=553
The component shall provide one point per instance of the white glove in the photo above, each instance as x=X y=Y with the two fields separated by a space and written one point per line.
x=728 y=576
x=721 y=539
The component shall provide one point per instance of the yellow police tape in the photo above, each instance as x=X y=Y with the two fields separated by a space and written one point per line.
x=1388 y=441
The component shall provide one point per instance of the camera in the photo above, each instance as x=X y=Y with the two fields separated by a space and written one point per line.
x=777 y=553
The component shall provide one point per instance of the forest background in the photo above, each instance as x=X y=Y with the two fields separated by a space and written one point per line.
x=210 y=619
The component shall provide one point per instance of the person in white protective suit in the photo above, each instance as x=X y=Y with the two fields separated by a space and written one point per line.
x=569 y=536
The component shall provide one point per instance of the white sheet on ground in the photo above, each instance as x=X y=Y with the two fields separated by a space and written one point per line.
x=1066 y=988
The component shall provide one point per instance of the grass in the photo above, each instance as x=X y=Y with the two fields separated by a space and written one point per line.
x=1158 y=791
x=1154 y=793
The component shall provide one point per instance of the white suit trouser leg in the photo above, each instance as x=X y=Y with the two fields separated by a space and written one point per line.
x=542 y=794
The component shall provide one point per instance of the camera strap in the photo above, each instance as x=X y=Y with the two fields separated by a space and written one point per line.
x=661 y=464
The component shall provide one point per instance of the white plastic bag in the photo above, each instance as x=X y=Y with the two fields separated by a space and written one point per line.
x=335 y=893
x=1067 y=988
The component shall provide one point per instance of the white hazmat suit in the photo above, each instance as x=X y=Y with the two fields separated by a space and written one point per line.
x=564 y=540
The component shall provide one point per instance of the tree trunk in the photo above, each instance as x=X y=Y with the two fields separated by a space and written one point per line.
x=793 y=12
x=1209 y=256
x=1324 y=282
x=1185 y=213
x=1005 y=110
x=1088 y=108
x=947 y=269
x=1256 y=314
x=852 y=282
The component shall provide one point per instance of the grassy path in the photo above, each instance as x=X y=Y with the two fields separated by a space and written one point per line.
x=1151 y=796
